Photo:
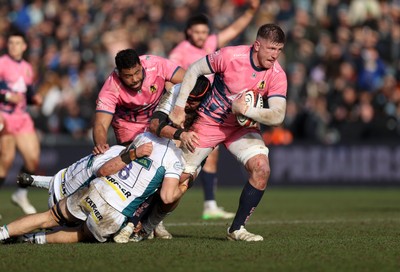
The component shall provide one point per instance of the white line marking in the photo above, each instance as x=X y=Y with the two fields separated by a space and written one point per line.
x=291 y=222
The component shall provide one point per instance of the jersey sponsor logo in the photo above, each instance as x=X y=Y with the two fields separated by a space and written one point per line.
x=100 y=105
x=178 y=166
x=145 y=162
x=211 y=57
x=94 y=209
x=153 y=88
x=63 y=190
x=151 y=69
x=261 y=85
x=122 y=192
x=240 y=55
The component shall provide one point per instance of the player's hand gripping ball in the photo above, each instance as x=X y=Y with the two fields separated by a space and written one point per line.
x=253 y=99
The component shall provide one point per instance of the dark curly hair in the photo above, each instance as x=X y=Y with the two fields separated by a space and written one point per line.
x=127 y=58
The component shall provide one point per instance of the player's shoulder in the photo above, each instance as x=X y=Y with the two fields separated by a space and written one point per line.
x=277 y=68
x=235 y=52
x=181 y=45
x=151 y=59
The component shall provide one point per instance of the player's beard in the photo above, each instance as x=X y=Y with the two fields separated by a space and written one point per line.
x=136 y=86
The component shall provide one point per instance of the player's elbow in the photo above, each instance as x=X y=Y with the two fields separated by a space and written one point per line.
x=101 y=173
x=169 y=197
x=154 y=123
x=277 y=121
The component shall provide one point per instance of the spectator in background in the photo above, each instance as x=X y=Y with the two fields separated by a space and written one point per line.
x=57 y=30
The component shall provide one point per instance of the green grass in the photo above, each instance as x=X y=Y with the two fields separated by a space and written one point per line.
x=304 y=229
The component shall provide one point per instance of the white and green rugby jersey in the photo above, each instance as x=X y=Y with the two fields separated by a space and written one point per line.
x=70 y=179
x=128 y=188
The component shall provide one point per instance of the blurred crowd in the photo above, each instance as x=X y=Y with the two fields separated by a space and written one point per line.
x=342 y=58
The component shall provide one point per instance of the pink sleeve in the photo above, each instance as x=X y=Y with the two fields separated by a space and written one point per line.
x=108 y=96
x=216 y=61
x=211 y=43
x=168 y=67
x=278 y=86
x=176 y=55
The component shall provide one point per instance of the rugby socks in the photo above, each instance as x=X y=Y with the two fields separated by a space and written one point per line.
x=248 y=201
x=41 y=181
x=4 y=233
x=35 y=238
x=143 y=209
x=209 y=180
x=21 y=193
x=155 y=217
x=2 y=180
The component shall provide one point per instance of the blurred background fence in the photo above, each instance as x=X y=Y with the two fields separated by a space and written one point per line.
x=342 y=60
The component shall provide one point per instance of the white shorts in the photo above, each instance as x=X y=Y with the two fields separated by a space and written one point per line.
x=52 y=197
x=102 y=219
x=244 y=148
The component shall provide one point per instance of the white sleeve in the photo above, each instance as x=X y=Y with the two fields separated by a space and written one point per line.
x=168 y=99
x=173 y=164
x=195 y=70
x=101 y=159
x=271 y=116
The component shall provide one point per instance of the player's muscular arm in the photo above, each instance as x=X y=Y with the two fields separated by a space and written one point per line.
x=101 y=124
x=195 y=70
x=171 y=191
x=119 y=162
x=159 y=125
x=271 y=116
x=233 y=30
x=178 y=76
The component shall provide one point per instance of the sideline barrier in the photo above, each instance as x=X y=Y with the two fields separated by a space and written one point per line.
x=290 y=165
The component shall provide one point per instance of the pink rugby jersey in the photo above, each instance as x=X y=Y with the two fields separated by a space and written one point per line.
x=185 y=53
x=15 y=76
x=235 y=72
x=132 y=110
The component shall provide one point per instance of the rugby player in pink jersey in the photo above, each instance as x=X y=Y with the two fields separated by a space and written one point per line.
x=236 y=69
x=199 y=42
x=128 y=98
x=18 y=133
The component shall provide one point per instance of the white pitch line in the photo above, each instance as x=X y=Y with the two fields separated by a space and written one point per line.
x=291 y=222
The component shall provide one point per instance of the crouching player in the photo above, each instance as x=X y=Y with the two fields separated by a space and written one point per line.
x=101 y=208
x=160 y=125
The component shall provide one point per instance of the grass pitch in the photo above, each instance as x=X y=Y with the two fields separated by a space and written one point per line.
x=304 y=229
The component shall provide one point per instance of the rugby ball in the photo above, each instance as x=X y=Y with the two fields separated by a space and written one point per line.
x=253 y=99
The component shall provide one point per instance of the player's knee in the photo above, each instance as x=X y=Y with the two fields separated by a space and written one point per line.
x=259 y=168
x=50 y=221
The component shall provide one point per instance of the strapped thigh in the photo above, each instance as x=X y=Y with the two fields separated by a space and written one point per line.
x=248 y=146
x=59 y=217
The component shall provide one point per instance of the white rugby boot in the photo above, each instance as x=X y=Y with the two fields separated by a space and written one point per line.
x=124 y=234
x=161 y=232
x=20 y=198
x=216 y=213
x=243 y=235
